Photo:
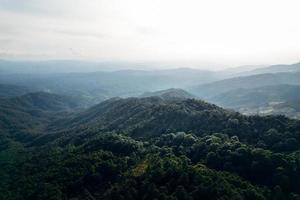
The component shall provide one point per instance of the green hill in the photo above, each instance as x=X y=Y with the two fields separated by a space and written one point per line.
x=153 y=116
x=276 y=99
x=170 y=94
x=209 y=90
x=28 y=114
x=150 y=148
x=12 y=90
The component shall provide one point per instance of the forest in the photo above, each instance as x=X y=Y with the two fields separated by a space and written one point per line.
x=149 y=100
x=145 y=148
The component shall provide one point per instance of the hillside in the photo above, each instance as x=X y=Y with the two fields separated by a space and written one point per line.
x=170 y=94
x=258 y=96
x=42 y=101
x=153 y=116
x=25 y=115
x=165 y=144
x=274 y=69
x=276 y=99
x=209 y=90
x=12 y=90
x=147 y=148
x=98 y=86
x=149 y=100
x=290 y=109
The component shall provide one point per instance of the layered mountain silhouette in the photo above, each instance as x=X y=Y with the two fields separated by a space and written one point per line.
x=153 y=116
x=212 y=89
x=170 y=94
x=28 y=114
x=12 y=90
x=163 y=144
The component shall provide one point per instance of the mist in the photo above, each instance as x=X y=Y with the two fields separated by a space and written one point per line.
x=204 y=34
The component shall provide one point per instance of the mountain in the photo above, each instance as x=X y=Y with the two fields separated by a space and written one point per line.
x=41 y=101
x=289 y=108
x=153 y=116
x=88 y=83
x=169 y=94
x=165 y=144
x=61 y=66
x=260 y=96
x=153 y=148
x=98 y=86
x=28 y=114
x=275 y=99
x=238 y=71
x=12 y=90
x=209 y=90
x=248 y=70
x=274 y=69
x=114 y=166
x=84 y=80
x=143 y=115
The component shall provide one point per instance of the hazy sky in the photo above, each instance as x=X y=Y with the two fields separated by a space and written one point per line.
x=221 y=32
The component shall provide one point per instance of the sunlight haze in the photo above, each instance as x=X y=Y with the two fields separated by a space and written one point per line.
x=217 y=33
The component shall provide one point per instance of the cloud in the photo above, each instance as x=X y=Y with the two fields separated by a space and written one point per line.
x=230 y=32
x=82 y=33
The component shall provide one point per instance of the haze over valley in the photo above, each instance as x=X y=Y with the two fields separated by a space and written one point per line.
x=166 y=100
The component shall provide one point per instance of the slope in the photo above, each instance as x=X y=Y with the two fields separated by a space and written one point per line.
x=276 y=99
x=153 y=116
x=25 y=115
x=169 y=94
x=212 y=89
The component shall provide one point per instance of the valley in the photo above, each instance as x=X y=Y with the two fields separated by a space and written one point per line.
x=62 y=138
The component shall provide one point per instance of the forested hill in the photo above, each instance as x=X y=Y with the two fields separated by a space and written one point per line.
x=169 y=94
x=151 y=148
x=267 y=100
x=24 y=115
x=12 y=90
x=245 y=82
x=42 y=101
x=275 y=69
x=260 y=96
x=153 y=116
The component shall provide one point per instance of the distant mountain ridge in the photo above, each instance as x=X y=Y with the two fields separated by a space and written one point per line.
x=12 y=90
x=98 y=86
x=258 y=96
x=274 y=69
x=169 y=94
x=87 y=82
x=43 y=101
x=275 y=99
x=29 y=113
x=209 y=90
x=142 y=115
x=152 y=116
x=124 y=145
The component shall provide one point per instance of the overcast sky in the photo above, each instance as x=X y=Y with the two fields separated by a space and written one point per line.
x=220 y=32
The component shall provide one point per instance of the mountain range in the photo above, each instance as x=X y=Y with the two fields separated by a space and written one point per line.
x=166 y=134
x=246 y=82
x=274 y=99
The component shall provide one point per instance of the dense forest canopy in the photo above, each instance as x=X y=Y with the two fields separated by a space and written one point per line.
x=149 y=100
x=144 y=148
x=122 y=135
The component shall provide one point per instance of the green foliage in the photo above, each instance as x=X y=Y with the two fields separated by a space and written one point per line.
x=171 y=166
x=151 y=148
x=153 y=116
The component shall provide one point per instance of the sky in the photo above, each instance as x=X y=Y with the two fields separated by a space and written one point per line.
x=205 y=32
